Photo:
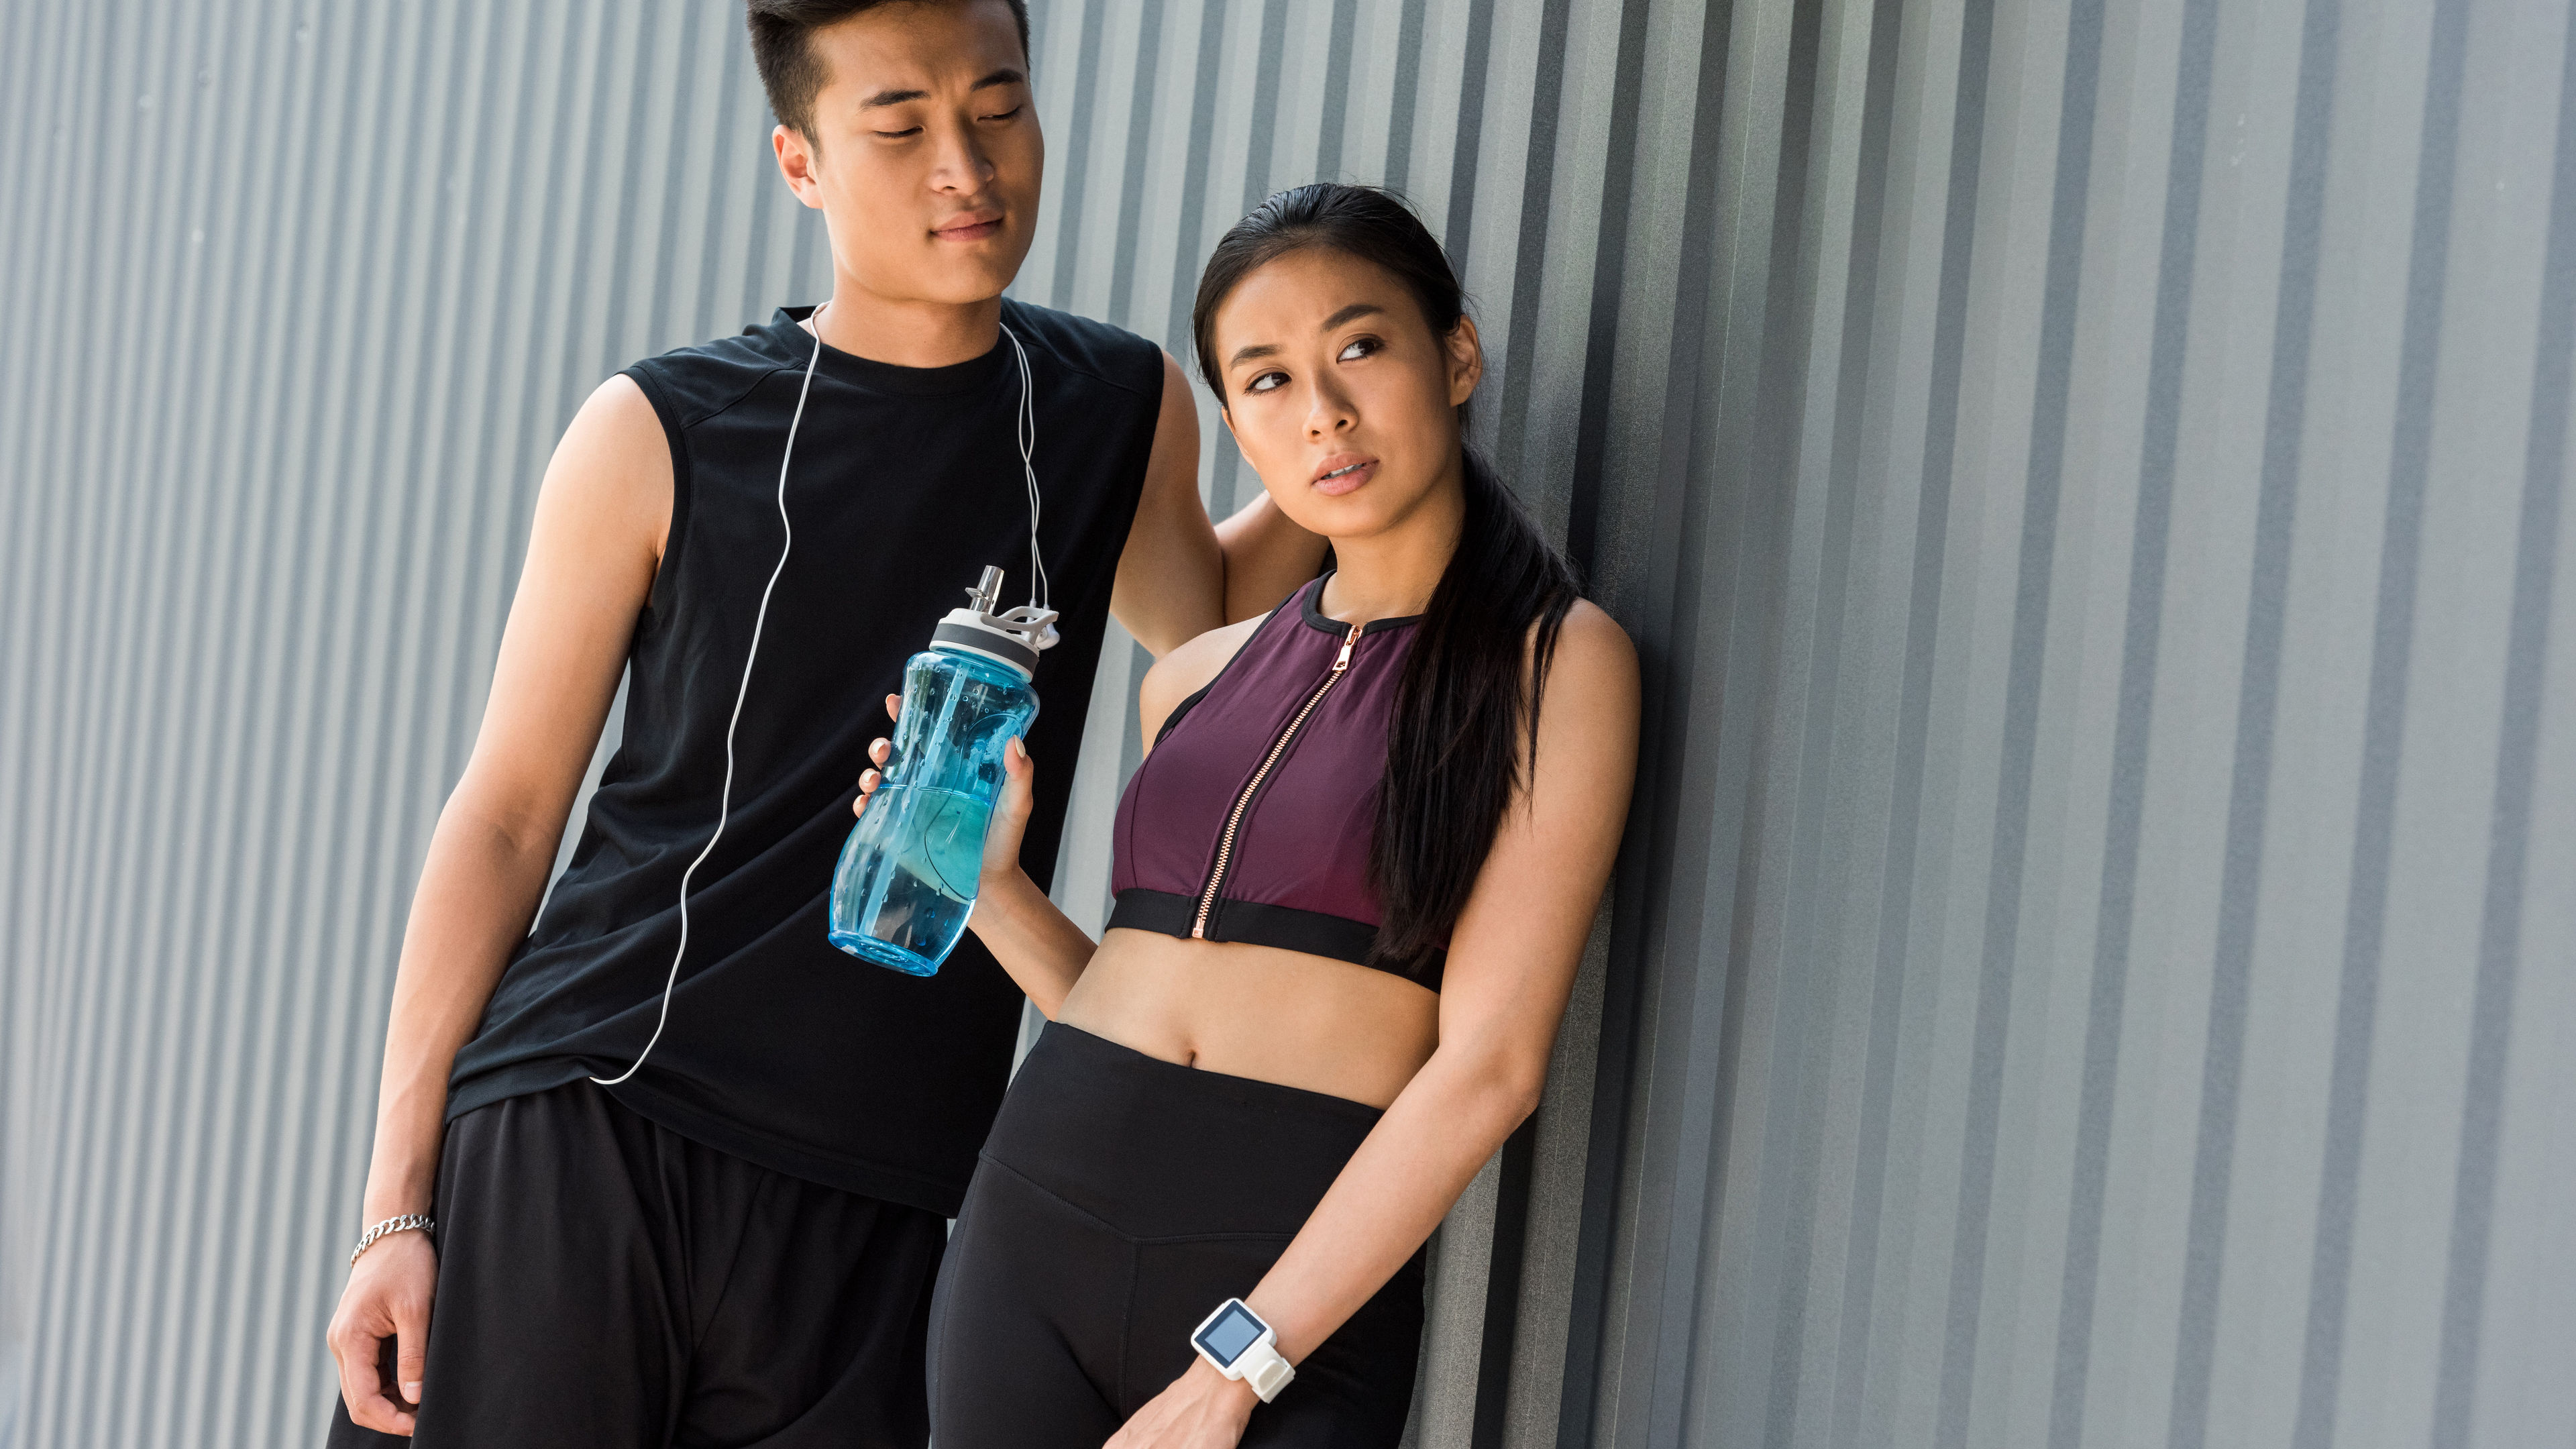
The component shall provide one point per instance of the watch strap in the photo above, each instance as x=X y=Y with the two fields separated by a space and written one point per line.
x=1267 y=1369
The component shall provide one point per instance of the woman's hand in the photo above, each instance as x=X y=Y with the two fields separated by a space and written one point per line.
x=1202 y=1409
x=1010 y=813
x=1037 y=944
x=880 y=750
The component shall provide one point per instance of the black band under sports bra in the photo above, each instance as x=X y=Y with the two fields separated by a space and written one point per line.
x=1253 y=817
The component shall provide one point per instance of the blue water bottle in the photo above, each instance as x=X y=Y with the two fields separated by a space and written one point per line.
x=906 y=880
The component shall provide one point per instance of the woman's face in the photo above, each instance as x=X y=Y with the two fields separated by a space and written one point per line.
x=1338 y=392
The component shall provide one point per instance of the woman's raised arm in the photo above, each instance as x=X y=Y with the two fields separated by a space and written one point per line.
x=1512 y=959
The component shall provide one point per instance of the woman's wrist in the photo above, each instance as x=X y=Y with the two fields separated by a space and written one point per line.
x=1284 y=1337
x=1234 y=1394
x=1005 y=893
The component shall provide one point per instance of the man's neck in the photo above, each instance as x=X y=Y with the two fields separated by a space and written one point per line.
x=904 y=332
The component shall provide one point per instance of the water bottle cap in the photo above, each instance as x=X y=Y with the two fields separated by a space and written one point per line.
x=1012 y=637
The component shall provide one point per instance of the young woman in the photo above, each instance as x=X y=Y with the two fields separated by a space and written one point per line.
x=1353 y=879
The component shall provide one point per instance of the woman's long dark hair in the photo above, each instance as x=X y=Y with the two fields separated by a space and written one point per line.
x=1479 y=663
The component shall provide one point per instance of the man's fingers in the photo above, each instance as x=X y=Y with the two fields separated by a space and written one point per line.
x=411 y=1334
x=362 y=1380
x=880 y=750
x=894 y=706
x=357 y=1373
x=397 y=1411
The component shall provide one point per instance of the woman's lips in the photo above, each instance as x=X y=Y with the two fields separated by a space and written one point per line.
x=1344 y=474
x=969 y=231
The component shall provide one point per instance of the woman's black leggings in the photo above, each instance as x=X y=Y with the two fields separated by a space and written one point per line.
x=1120 y=1200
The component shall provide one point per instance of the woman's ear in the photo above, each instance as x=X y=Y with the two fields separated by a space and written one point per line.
x=1466 y=361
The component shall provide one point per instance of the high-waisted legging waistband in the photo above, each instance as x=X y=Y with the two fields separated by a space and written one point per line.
x=1157 y=1149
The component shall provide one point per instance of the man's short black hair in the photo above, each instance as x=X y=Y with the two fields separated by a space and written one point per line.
x=788 y=69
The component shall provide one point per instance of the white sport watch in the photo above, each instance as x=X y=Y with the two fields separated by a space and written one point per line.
x=1237 y=1344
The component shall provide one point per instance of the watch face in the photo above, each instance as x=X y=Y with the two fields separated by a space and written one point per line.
x=1229 y=1333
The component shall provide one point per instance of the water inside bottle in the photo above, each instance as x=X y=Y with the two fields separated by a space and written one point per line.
x=907 y=877
x=917 y=900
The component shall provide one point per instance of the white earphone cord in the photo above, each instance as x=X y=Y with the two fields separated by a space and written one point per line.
x=1039 y=595
x=724 y=799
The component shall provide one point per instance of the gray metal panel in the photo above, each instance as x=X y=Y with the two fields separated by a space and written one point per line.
x=276 y=399
x=2086 y=481
x=2075 y=973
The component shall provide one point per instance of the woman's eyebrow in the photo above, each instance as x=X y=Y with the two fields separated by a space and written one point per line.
x=1349 y=314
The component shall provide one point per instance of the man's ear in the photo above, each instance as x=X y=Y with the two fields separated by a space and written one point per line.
x=1466 y=360
x=796 y=160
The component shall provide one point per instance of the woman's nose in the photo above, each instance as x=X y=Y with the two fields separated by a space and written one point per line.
x=1329 y=411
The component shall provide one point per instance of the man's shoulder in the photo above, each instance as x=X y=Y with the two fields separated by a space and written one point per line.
x=1106 y=353
x=693 y=383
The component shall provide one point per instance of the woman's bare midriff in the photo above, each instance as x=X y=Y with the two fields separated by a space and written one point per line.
x=1258 y=1011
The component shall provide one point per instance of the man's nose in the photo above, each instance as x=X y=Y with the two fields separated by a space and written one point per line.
x=960 y=167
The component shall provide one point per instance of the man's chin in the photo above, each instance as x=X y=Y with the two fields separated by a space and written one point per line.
x=977 y=271
x=958 y=281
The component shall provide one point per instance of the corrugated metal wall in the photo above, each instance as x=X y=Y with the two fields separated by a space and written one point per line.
x=2091 y=961
x=296 y=298
x=2092 y=965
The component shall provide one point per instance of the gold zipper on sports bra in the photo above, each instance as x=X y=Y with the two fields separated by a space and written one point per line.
x=1243 y=802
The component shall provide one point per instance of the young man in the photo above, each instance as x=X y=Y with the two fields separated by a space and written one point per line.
x=734 y=1242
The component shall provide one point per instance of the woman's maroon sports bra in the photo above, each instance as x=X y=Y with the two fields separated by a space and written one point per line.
x=1252 y=818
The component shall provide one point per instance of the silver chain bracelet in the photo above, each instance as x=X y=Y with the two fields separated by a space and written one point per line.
x=407 y=1223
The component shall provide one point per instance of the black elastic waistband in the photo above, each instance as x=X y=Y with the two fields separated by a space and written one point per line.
x=1251 y=922
x=1157 y=1149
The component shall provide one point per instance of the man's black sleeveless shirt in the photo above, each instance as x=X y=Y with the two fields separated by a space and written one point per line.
x=906 y=483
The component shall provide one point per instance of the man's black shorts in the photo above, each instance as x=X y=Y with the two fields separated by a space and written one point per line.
x=604 y=1281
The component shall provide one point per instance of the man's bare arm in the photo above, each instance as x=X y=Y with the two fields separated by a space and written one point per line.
x=1180 y=577
x=592 y=551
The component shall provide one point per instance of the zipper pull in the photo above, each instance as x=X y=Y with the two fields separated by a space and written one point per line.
x=1344 y=662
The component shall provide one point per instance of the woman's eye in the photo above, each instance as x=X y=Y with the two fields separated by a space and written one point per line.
x=1359 y=347
x=1267 y=382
